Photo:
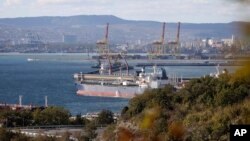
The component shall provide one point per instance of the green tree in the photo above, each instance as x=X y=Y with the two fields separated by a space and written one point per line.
x=16 y=118
x=37 y=117
x=51 y=116
x=79 y=120
x=105 y=117
x=124 y=113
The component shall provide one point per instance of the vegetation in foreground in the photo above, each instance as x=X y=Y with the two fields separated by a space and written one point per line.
x=203 y=110
x=49 y=116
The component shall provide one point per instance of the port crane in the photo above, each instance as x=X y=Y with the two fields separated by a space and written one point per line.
x=102 y=45
x=158 y=45
x=175 y=44
x=104 y=53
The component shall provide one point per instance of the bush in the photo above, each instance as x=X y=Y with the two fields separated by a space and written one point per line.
x=4 y=135
x=89 y=131
x=105 y=117
x=51 y=116
x=176 y=131
x=78 y=120
x=203 y=110
x=9 y=136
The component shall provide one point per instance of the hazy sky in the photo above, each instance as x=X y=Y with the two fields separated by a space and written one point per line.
x=198 y=11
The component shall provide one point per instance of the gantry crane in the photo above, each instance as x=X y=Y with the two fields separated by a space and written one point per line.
x=158 y=46
x=175 y=44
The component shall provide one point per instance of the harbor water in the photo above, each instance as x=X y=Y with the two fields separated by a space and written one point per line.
x=35 y=76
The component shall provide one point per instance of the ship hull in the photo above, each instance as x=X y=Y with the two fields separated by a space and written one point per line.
x=109 y=90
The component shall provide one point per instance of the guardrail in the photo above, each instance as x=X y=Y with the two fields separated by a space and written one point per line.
x=48 y=127
x=54 y=126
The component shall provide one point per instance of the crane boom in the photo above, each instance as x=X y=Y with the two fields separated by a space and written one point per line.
x=178 y=33
x=107 y=33
x=103 y=44
x=163 y=33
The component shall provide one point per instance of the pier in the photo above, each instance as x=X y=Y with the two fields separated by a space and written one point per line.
x=20 y=106
x=188 y=64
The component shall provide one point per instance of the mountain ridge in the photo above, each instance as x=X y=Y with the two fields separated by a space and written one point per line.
x=89 y=28
x=97 y=18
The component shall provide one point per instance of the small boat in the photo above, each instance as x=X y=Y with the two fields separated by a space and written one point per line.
x=31 y=59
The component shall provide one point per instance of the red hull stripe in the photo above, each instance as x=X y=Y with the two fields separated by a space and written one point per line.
x=104 y=94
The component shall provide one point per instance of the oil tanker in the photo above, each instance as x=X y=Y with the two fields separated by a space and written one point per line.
x=120 y=85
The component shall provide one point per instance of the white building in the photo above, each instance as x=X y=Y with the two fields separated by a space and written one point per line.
x=228 y=42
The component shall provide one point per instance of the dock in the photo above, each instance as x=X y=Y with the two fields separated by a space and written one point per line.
x=21 y=106
x=186 y=64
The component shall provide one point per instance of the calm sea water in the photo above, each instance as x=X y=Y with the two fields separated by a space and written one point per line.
x=51 y=75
